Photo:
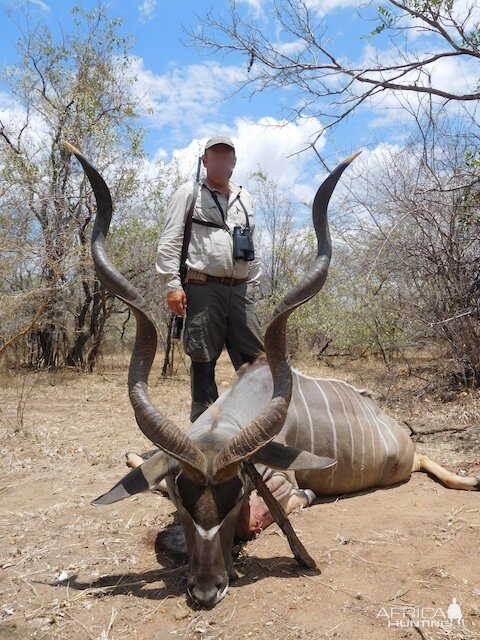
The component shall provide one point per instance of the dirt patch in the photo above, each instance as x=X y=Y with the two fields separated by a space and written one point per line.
x=71 y=571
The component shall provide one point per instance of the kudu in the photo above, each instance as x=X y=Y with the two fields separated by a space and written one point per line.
x=328 y=437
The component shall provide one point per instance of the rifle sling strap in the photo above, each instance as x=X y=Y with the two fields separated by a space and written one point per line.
x=187 y=233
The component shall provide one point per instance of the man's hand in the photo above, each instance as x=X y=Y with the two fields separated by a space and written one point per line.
x=177 y=302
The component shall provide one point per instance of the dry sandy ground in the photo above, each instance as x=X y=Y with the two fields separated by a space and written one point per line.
x=68 y=570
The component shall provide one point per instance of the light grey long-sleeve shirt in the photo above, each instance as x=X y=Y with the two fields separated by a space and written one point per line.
x=211 y=248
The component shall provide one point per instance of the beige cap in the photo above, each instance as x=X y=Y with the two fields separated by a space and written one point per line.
x=219 y=140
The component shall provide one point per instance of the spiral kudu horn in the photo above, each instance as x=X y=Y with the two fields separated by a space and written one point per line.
x=160 y=430
x=268 y=424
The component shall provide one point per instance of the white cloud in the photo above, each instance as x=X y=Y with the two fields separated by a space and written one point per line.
x=322 y=7
x=256 y=6
x=14 y=4
x=10 y=110
x=466 y=12
x=289 y=48
x=41 y=4
x=182 y=98
x=186 y=158
x=365 y=183
x=458 y=75
x=269 y=144
x=381 y=155
x=13 y=116
x=463 y=12
x=146 y=9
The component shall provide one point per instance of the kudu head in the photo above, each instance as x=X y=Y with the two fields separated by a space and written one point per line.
x=205 y=473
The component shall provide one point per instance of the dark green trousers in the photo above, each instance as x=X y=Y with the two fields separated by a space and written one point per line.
x=218 y=316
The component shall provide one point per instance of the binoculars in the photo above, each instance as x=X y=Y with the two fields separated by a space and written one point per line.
x=243 y=248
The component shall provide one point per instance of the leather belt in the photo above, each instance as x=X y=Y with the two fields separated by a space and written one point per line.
x=229 y=282
x=197 y=277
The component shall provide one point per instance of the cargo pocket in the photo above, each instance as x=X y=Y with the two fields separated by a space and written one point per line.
x=194 y=343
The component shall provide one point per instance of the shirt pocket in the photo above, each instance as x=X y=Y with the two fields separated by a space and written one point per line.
x=207 y=211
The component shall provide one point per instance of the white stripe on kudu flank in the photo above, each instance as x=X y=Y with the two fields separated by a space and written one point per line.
x=334 y=429
x=347 y=417
x=397 y=446
x=376 y=422
x=388 y=428
x=354 y=401
x=312 y=442
x=359 y=399
x=295 y=412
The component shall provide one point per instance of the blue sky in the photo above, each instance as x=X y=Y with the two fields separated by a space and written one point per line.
x=190 y=93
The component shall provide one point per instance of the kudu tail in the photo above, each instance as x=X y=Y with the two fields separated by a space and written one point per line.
x=449 y=479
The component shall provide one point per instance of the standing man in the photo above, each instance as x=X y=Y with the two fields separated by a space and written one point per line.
x=223 y=268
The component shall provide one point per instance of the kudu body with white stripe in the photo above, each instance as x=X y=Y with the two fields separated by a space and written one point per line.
x=332 y=418
x=324 y=435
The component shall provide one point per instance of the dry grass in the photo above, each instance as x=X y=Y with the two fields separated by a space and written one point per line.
x=69 y=571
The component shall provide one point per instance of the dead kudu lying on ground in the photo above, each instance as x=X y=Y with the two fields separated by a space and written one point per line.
x=306 y=436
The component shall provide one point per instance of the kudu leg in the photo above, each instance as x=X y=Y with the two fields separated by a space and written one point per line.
x=133 y=460
x=451 y=480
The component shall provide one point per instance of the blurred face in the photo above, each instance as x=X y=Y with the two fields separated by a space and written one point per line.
x=219 y=161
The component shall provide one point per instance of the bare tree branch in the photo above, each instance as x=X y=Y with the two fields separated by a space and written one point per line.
x=331 y=86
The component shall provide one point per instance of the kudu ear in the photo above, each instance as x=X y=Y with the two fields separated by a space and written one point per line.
x=281 y=456
x=142 y=478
